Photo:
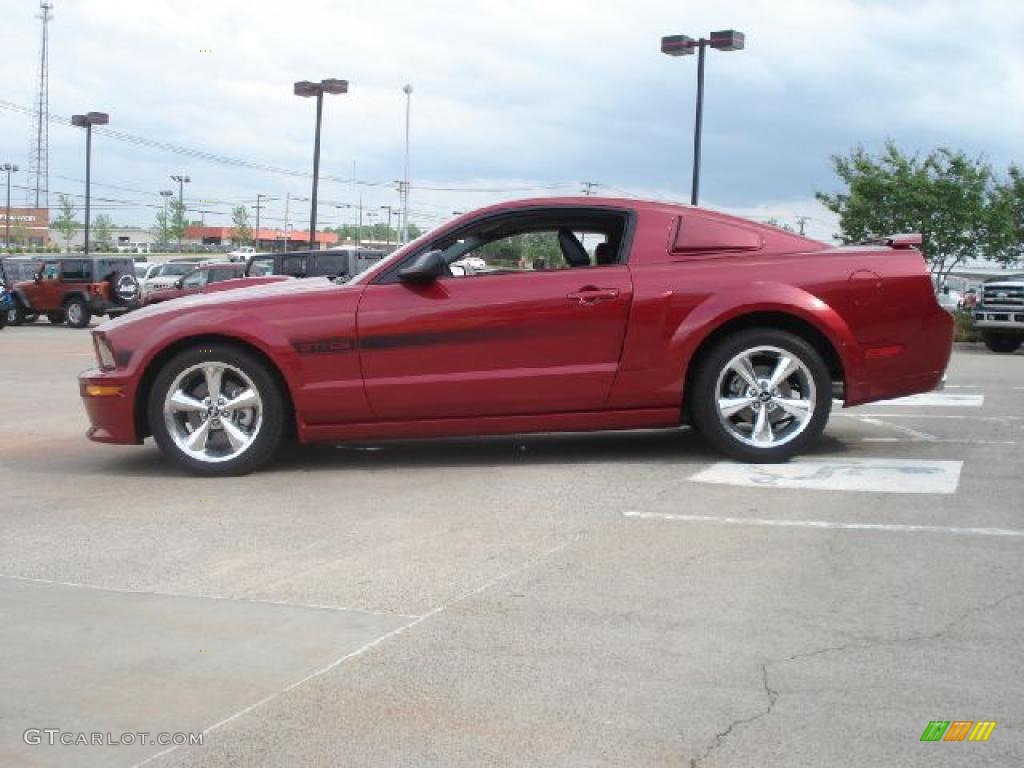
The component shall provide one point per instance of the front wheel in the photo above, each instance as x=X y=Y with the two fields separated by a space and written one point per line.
x=1002 y=344
x=77 y=313
x=217 y=411
x=762 y=395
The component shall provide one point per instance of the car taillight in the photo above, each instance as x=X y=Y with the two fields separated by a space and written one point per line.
x=104 y=351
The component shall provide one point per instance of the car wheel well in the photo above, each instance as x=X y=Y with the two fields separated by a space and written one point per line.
x=142 y=428
x=778 y=321
x=71 y=296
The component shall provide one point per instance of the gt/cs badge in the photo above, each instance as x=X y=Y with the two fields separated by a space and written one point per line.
x=323 y=346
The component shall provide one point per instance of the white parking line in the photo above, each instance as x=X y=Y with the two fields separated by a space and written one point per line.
x=828 y=525
x=869 y=475
x=938 y=399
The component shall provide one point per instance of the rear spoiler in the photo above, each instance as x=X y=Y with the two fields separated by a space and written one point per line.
x=901 y=242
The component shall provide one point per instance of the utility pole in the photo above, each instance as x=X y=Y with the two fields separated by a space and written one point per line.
x=287 y=204
x=588 y=187
x=259 y=206
x=801 y=221
x=359 y=229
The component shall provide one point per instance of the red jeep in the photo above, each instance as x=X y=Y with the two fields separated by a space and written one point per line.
x=73 y=289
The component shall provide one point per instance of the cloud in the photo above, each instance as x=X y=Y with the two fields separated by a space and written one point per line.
x=526 y=93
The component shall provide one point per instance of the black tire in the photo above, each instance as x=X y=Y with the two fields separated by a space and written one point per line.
x=55 y=318
x=77 y=313
x=1001 y=343
x=124 y=288
x=271 y=430
x=704 y=397
x=22 y=316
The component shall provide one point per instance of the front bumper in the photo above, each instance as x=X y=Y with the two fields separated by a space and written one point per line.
x=109 y=400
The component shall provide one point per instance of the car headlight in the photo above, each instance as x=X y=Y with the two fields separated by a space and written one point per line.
x=104 y=351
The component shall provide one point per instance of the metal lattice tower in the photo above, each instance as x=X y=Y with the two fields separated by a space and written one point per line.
x=37 y=191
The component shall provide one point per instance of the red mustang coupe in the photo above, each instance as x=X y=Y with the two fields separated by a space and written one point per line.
x=561 y=314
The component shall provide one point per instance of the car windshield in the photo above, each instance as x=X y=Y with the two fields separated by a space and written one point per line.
x=179 y=268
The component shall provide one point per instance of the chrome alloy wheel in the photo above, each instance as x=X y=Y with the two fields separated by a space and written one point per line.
x=213 y=412
x=765 y=396
x=74 y=313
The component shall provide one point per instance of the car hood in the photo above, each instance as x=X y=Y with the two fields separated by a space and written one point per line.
x=232 y=299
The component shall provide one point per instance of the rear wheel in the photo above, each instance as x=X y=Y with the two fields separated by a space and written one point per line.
x=762 y=395
x=1002 y=343
x=21 y=315
x=56 y=318
x=77 y=313
x=217 y=411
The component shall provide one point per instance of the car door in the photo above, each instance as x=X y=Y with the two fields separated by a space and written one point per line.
x=496 y=343
x=45 y=294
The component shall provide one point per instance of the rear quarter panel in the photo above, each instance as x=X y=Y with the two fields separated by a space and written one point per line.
x=860 y=299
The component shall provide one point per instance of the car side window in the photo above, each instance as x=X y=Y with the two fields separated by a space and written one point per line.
x=216 y=275
x=196 y=280
x=535 y=251
x=294 y=266
x=50 y=271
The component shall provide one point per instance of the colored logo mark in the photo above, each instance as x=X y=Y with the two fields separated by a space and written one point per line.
x=958 y=730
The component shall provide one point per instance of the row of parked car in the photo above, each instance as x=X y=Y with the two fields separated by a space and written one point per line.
x=74 y=289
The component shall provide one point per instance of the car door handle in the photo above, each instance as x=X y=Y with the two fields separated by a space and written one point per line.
x=592 y=295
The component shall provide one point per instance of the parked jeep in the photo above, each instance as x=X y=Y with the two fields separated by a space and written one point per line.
x=999 y=313
x=75 y=288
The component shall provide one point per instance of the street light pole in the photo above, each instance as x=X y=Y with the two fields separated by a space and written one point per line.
x=182 y=181
x=388 y=233
x=87 y=121
x=681 y=45
x=305 y=88
x=407 y=90
x=9 y=168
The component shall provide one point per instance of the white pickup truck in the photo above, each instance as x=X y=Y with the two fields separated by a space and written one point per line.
x=999 y=313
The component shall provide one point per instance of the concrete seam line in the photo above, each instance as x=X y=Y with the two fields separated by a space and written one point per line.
x=373 y=643
x=156 y=593
x=825 y=524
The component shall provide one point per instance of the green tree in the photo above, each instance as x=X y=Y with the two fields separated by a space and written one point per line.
x=1008 y=215
x=66 y=223
x=177 y=223
x=101 y=227
x=19 y=232
x=242 y=230
x=953 y=200
x=162 y=229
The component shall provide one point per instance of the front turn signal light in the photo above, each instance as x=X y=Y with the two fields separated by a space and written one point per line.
x=103 y=390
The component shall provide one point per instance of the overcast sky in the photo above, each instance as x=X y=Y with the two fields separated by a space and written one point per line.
x=522 y=97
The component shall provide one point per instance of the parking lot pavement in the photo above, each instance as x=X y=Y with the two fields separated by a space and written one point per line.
x=611 y=599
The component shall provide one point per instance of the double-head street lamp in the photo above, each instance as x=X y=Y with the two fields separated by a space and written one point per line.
x=681 y=45
x=307 y=89
x=87 y=121
x=9 y=169
x=182 y=181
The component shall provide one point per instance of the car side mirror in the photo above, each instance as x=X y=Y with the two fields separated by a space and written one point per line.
x=425 y=268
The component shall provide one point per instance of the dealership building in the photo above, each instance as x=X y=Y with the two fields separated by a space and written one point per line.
x=28 y=226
